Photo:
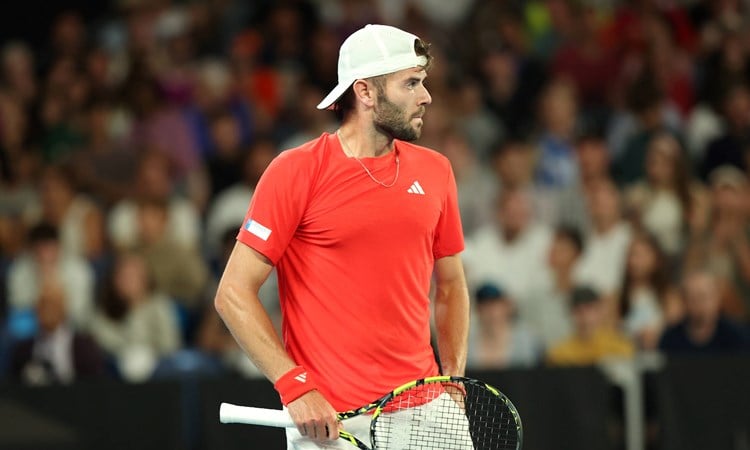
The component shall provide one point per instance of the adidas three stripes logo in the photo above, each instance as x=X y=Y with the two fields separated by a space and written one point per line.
x=416 y=188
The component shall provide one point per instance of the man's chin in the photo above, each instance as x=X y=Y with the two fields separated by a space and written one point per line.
x=411 y=137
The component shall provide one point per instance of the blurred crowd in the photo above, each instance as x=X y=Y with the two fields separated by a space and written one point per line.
x=601 y=150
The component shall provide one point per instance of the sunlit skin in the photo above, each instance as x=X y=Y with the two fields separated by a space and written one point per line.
x=396 y=112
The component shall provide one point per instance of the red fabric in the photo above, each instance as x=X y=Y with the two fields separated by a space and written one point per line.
x=293 y=384
x=354 y=261
x=420 y=395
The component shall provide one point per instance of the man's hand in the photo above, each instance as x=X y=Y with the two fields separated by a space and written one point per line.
x=315 y=417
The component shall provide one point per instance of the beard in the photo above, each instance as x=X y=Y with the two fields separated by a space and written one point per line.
x=392 y=120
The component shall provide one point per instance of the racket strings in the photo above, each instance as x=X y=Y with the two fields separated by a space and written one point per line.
x=434 y=416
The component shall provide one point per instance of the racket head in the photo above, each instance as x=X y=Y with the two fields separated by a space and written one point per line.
x=446 y=413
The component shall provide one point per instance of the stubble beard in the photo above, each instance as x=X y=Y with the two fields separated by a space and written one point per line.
x=391 y=120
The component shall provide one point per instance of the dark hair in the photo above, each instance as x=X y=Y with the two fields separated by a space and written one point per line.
x=111 y=301
x=43 y=232
x=157 y=204
x=488 y=293
x=659 y=279
x=508 y=145
x=583 y=295
x=345 y=104
x=682 y=175
x=644 y=94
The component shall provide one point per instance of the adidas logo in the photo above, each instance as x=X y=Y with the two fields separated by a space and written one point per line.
x=302 y=378
x=416 y=188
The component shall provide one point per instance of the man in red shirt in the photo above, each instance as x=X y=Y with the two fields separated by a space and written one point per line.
x=355 y=223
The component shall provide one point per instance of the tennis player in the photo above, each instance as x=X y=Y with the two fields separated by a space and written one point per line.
x=356 y=223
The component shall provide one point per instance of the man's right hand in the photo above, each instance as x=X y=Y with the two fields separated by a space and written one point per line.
x=315 y=417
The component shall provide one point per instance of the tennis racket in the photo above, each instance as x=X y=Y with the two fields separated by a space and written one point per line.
x=435 y=413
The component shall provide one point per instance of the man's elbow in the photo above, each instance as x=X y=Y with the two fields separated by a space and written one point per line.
x=221 y=302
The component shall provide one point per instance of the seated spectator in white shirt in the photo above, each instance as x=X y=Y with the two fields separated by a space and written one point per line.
x=46 y=260
x=509 y=252
x=602 y=265
x=134 y=324
x=154 y=183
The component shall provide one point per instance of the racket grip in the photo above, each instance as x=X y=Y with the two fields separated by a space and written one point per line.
x=229 y=413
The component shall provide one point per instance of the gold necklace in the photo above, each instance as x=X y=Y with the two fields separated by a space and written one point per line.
x=350 y=154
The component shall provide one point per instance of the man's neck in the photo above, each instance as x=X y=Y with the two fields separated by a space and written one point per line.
x=604 y=227
x=700 y=332
x=362 y=139
x=564 y=280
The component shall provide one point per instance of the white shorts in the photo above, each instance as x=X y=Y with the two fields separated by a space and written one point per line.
x=424 y=423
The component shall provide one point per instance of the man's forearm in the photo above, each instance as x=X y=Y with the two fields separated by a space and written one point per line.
x=253 y=330
x=452 y=324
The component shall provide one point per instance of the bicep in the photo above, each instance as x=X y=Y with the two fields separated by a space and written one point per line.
x=246 y=268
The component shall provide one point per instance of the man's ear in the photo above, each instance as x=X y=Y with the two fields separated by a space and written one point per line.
x=365 y=92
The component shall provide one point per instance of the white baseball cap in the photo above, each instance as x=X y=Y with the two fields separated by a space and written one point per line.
x=371 y=51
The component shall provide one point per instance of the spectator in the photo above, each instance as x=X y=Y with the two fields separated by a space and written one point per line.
x=499 y=340
x=153 y=182
x=159 y=126
x=307 y=122
x=56 y=354
x=46 y=261
x=648 y=302
x=105 y=167
x=19 y=73
x=585 y=61
x=510 y=251
x=476 y=185
x=77 y=218
x=513 y=164
x=479 y=124
x=511 y=84
x=213 y=96
x=224 y=163
x=705 y=330
x=630 y=131
x=548 y=311
x=176 y=271
x=605 y=247
x=593 y=159
x=558 y=115
x=592 y=340
x=134 y=324
x=731 y=147
x=722 y=242
x=665 y=201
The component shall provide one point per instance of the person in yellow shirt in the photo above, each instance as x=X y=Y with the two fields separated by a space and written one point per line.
x=592 y=340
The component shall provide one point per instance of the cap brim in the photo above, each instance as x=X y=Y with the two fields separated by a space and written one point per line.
x=334 y=95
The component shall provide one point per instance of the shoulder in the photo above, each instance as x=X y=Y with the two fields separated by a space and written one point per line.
x=310 y=150
x=672 y=335
x=306 y=158
x=424 y=155
x=637 y=192
x=732 y=329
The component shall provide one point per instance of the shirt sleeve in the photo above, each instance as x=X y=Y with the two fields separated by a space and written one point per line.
x=449 y=236
x=277 y=205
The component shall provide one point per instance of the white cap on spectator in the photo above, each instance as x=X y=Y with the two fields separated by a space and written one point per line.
x=371 y=51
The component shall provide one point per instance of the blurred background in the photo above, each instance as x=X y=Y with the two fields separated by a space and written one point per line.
x=601 y=150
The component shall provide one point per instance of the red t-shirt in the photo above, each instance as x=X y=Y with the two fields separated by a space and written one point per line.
x=354 y=261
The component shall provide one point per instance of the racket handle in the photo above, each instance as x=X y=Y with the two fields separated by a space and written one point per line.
x=229 y=413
